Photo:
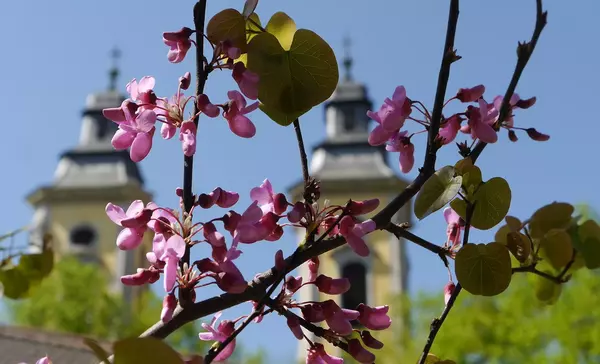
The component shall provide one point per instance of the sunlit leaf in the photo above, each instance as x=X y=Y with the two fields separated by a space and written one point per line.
x=98 y=350
x=146 y=350
x=557 y=248
x=471 y=179
x=519 y=245
x=492 y=202
x=293 y=81
x=437 y=191
x=283 y=28
x=251 y=31
x=462 y=165
x=556 y=215
x=483 y=269
x=228 y=25
x=546 y=290
x=15 y=283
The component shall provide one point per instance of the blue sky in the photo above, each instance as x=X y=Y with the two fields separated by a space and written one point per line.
x=57 y=52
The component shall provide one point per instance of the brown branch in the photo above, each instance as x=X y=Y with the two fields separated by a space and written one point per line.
x=302 y=150
x=524 y=52
x=201 y=76
x=531 y=269
x=401 y=232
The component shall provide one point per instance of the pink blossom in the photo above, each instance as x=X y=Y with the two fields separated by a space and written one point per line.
x=187 y=136
x=168 y=306
x=267 y=199
x=379 y=135
x=185 y=80
x=332 y=286
x=294 y=325
x=142 y=91
x=359 y=353
x=230 y=51
x=239 y=124
x=172 y=112
x=470 y=94
x=252 y=227
x=481 y=120
x=292 y=284
x=338 y=319
x=354 y=232
x=219 y=333
x=246 y=80
x=362 y=207
x=142 y=276
x=207 y=107
x=226 y=274
x=514 y=103
x=135 y=129
x=133 y=222
x=449 y=130
x=318 y=355
x=394 y=116
x=279 y=260
x=218 y=196
x=214 y=238
x=313 y=313
x=173 y=251
x=297 y=213
x=179 y=43
x=536 y=135
x=448 y=289
x=401 y=143
x=374 y=318
x=455 y=225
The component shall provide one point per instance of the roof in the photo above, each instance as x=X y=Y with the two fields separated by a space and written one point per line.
x=27 y=345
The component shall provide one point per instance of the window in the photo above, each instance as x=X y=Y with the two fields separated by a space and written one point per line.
x=83 y=236
x=357 y=274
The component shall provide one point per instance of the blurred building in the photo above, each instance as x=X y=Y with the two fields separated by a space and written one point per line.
x=348 y=167
x=88 y=176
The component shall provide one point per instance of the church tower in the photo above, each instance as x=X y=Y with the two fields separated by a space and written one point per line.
x=88 y=176
x=348 y=167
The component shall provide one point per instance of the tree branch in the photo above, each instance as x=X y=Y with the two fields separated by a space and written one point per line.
x=400 y=231
x=531 y=269
x=303 y=157
x=201 y=75
x=524 y=52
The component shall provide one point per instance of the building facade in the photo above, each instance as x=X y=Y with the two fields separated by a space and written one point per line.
x=348 y=167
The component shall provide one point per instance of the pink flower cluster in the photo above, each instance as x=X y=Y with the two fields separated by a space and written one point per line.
x=482 y=121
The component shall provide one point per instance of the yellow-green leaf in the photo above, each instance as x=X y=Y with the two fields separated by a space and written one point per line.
x=462 y=165
x=147 y=350
x=519 y=245
x=433 y=359
x=283 y=28
x=483 y=269
x=589 y=244
x=492 y=202
x=14 y=282
x=546 y=290
x=293 y=81
x=228 y=25
x=437 y=191
x=251 y=31
x=37 y=266
x=471 y=179
x=556 y=215
x=279 y=117
x=557 y=248
x=98 y=350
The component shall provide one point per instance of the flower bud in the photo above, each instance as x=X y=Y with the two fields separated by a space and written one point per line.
x=359 y=353
x=370 y=341
x=332 y=286
x=470 y=94
x=294 y=325
x=169 y=304
x=536 y=135
x=280 y=203
x=448 y=289
x=512 y=136
x=184 y=81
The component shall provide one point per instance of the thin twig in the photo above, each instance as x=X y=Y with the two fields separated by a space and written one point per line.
x=531 y=269
x=303 y=157
x=524 y=52
x=400 y=231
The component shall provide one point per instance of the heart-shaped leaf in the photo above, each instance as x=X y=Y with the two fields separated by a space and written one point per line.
x=437 y=191
x=483 y=269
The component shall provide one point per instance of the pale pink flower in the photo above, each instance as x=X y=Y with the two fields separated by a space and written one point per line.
x=481 y=121
x=379 y=135
x=394 y=116
x=133 y=222
x=401 y=143
x=239 y=124
x=246 y=80
x=455 y=225
x=187 y=136
x=449 y=130
x=219 y=333
x=354 y=233
x=267 y=199
x=136 y=133
x=142 y=91
x=179 y=43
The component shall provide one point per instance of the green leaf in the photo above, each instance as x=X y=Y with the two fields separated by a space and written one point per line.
x=514 y=223
x=249 y=7
x=483 y=269
x=98 y=350
x=279 y=117
x=589 y=245
x=147 y=350
x=292 y=82
x=251 y=31
x=15 y=283
x=228 y=25
x=556 y=215
x=519 y=245
x=37 y=266
x=433 y=359
x=283 y=28
x=471 y=179
x=557 y=248
x=546 y=290
x=437 y=191
x=492 y=202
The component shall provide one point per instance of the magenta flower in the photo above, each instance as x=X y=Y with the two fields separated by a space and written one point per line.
x=230 y=51
x=379 y=135
x=179 y=43
x=374 y=318
x=370 y=341
x=168 y=306
x=142 y=276
x=481 y=120
x=187 y=136
x=172 y=252
x=218 y=196
x=246 y=80
x=313 y=313
x=399 y=108
x=338 y=319
x=133 y=222
x=267 y=199
x=354 y=232
x=449 y=130
x=470 y=94
x=318 y=355
x=448 y=289
x=332 y=286
x=142 y=91
x=207 y=107
x=401 y=143
x=294 y=325
x=220 y=333
x=362 y=207
x=239 y=124
x=359 y=353
x=185 y=80
x=297 y=213
x=252 y=227
x=455 y=225
x=136 y=133
x=515 y=102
